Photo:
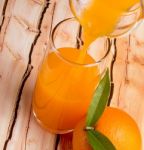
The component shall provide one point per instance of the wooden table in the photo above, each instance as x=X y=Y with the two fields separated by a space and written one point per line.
x=25 y=27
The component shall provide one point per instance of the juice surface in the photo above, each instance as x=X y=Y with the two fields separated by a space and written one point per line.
x=63 y=90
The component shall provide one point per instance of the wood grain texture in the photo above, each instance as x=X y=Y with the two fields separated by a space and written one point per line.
x=10 y=70
x=6 y=15
x=128 y=76
x=2 y=10
x=18 y=37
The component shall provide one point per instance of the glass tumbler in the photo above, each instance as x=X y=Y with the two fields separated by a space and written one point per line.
x=66 y=81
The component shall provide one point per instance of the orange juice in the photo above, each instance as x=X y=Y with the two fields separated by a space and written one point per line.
x=99 y=17
x=64 y=89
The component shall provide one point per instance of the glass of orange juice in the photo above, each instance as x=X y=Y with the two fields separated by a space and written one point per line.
x=67 y=81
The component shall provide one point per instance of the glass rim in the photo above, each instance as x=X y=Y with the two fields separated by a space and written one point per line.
x=129 y=12
x=108 y=48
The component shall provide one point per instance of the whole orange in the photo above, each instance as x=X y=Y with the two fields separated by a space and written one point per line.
x=115 y=124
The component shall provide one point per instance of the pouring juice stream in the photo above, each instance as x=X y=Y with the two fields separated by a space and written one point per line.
x=99 y=18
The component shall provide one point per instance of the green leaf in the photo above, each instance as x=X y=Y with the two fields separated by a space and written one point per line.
x=99 y=100
x=98 y=141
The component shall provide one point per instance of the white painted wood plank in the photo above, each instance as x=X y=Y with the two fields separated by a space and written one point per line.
x=11 y=71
